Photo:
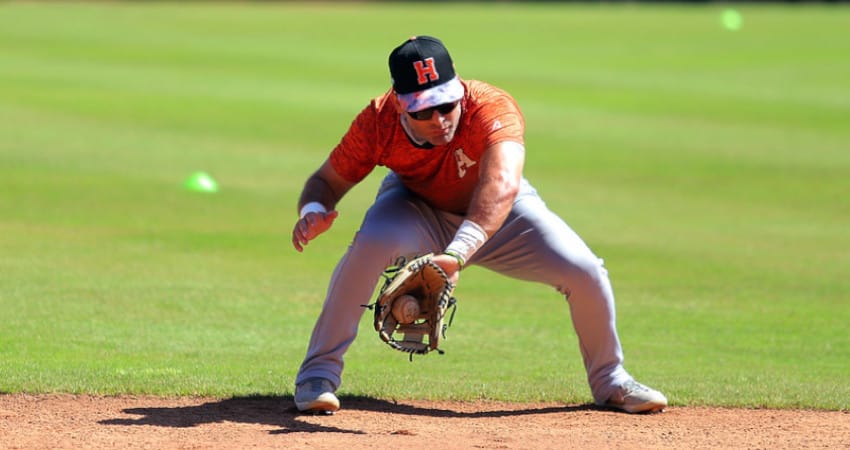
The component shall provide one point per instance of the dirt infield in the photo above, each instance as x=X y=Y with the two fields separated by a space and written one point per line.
x=66 y=421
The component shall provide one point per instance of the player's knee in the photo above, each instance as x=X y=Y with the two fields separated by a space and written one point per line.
x=585 y=276
x=592 y=270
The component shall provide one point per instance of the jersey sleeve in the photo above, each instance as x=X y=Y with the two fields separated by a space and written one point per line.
x=355 y=156
x=499 y=119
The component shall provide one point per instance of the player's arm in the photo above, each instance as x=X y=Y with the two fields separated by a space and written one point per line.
x=322 y=191
x=500 y=177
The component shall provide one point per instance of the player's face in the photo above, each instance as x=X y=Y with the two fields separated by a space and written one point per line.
x=436 y=125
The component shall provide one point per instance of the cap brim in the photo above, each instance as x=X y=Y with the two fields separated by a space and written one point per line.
x=448 y=92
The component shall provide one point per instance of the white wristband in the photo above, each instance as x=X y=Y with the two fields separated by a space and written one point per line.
x=312 y=207
x=468 y=239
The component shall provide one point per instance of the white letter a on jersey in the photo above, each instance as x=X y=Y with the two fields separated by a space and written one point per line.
x=463 y=162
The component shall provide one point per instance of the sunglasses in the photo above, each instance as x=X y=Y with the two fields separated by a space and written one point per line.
x=427 y=113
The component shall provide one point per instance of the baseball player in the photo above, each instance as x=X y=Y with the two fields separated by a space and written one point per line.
x=455 y=153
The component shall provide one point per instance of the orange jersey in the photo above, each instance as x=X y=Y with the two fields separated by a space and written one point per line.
x=445 y=176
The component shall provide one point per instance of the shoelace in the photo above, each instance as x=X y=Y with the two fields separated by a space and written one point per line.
x=632 y=386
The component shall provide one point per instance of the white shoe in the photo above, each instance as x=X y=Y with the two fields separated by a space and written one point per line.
x=316 y=395
x=633 y=397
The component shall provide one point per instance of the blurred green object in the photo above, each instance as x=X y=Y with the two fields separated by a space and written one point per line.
x=732 y=20
x=201 y=182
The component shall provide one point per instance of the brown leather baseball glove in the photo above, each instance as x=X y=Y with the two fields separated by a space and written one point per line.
x=430 y=285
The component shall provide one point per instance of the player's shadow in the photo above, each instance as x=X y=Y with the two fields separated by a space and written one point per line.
x=279 y=412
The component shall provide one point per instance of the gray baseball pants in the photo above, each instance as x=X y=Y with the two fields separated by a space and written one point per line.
x=533 y=244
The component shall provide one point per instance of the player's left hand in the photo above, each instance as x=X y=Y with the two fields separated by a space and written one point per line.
x=450 y=265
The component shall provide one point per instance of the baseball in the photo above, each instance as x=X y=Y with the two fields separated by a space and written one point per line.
x=406 y=309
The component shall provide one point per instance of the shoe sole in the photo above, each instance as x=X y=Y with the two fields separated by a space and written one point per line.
x=646 y=408
x=319 y=405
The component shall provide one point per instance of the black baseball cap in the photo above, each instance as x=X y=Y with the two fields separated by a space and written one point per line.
x=423 y=74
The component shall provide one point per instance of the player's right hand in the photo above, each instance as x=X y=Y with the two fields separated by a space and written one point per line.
x=310 y=226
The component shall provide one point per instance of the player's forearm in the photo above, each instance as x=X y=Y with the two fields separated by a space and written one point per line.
x=492 y=204
x=500 y=178
x=318 y=190
x=325 y=186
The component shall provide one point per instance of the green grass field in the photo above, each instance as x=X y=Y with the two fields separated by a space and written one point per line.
x=709 y=167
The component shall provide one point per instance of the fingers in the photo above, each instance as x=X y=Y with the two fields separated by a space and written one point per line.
x=298 y=239
x=301 y=234
x=310 y=226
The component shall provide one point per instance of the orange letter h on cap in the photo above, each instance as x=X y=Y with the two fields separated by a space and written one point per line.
x=426 y=71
